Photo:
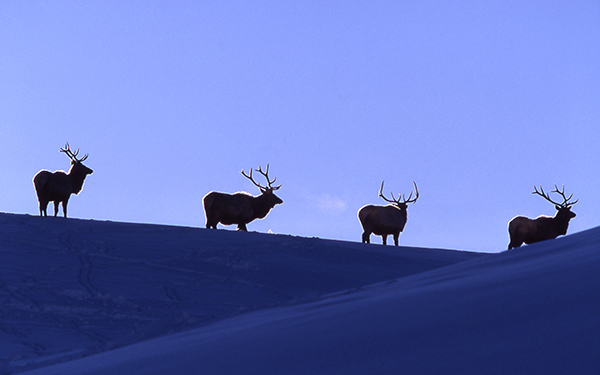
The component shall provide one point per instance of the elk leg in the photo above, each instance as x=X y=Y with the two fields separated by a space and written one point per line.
x=365 y=237
x=242 y=226
x=513 y=244
x=56 y=208
x=384 y=238
x=396 y=235
x=210 y=223
x=43 y=208
x=64 y=204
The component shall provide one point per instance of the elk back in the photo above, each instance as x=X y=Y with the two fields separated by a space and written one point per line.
x=382 y=219
x=228 y=209
x=52 y=186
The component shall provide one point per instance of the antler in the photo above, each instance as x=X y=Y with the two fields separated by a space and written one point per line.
x=565 y=202
x=404 y=199
x=71 y=155
x=266 y=174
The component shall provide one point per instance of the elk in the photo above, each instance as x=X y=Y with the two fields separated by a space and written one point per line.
x=241 y=208
x=525 y=230
x=58 y=186
x=385 y=220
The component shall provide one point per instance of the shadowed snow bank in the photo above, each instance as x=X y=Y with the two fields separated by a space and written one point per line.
x=529 y=311
x=74 y=288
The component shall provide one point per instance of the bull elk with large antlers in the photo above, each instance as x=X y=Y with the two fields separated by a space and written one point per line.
x=385 y=220
x=58 y=186
x=525 y=230
x=241 y=208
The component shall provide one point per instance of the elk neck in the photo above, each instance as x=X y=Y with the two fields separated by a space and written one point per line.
x=77 y=175
x=562 y=218
x=402 y=207
x=398 y=210
x=263 y=203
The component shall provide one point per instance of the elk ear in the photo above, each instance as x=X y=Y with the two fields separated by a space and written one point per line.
x=557 y=207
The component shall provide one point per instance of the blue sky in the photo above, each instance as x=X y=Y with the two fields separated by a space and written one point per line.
x=475 y=101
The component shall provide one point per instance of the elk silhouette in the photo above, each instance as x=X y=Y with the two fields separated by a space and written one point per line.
x=385 y=220
x=241 y=208
x=525 y=230
x=58 y=186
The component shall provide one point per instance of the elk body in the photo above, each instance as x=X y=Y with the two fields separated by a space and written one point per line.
x=240 y=208
x=525 y=230
x=58 y=186
x=385 y=220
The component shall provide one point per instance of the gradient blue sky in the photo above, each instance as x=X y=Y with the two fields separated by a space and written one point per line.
x=476 y=101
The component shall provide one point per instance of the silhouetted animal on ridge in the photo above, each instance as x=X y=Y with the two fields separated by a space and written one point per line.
x=385 y=220
x=525 y=230
x=240 y=208
x=58 y=186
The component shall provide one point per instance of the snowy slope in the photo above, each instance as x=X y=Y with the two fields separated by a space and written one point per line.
x=249 y=303
x=529 y=311
x=74 y=288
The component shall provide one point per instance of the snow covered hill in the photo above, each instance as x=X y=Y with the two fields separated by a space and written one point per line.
x=88 y=297
x=73 y=288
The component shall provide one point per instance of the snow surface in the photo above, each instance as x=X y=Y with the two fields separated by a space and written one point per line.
x=96 y=297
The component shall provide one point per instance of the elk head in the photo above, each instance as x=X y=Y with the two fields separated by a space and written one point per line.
x=266 y=191
x=564 y=208
x=402 y=201
x=78 y=170
x=73 y=156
